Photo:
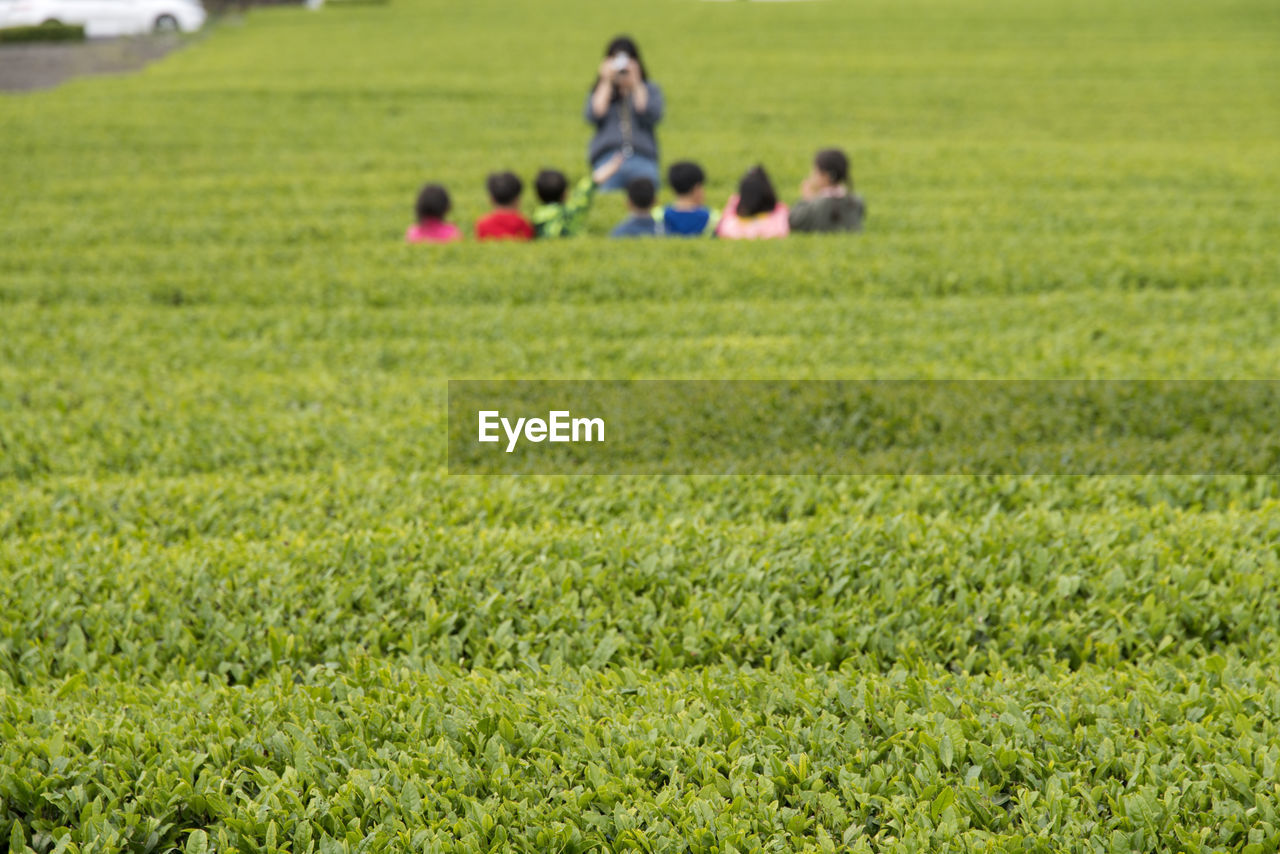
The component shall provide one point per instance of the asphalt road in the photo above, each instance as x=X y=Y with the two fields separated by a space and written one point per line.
x=25 y=67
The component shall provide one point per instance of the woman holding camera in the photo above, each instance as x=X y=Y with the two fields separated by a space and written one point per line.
x=625 y=108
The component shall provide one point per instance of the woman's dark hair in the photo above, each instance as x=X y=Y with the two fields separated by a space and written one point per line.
x=433 y=202
x=755 y=193
x=834 y=162
x=624 y=44
x=504 y=187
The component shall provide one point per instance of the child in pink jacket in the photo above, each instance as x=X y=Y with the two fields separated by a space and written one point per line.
x=433 y=204
x=754 y=213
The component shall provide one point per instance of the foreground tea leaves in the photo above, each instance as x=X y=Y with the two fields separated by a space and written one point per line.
x=560 y=757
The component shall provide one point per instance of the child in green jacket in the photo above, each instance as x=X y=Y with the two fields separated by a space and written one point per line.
x=564 y=213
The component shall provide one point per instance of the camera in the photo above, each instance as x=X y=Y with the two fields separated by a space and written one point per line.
x=620 y=63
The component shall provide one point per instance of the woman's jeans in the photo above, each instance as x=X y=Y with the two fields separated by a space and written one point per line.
x=635 y=166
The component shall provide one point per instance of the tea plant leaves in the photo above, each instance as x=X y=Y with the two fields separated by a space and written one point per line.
x=242 y=608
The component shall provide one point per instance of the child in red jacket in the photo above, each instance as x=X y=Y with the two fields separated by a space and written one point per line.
x=504 y=222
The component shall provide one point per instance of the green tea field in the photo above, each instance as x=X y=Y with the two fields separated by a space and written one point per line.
x=245 y=608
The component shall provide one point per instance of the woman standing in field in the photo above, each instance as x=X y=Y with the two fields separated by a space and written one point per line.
x=625 y=107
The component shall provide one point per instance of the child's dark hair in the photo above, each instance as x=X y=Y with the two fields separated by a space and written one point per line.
x=433 y=202
x=504 y=187
x=640 y=191
x=551 y=185
x=834 y=162
x=684 y=176
x=755 y=193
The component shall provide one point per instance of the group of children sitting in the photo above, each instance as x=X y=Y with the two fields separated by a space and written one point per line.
x=827 y=203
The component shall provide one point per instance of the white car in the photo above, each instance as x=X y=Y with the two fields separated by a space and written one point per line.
x=106 y=17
